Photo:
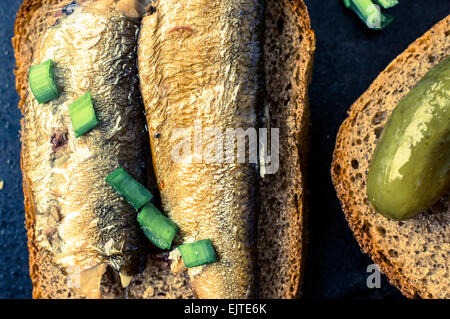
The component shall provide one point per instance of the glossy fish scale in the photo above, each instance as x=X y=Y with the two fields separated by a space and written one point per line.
x=80 y=219
x=200 y=60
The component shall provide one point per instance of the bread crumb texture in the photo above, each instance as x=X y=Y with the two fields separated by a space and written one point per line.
x=414 y=253
x=288 y=55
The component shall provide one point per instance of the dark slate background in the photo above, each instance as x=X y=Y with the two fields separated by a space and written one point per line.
x=348 y=59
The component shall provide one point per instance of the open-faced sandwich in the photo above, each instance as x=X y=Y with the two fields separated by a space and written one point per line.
x=391 y=167
x=111 y=209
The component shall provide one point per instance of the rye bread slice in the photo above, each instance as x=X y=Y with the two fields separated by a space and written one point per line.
x=288 y=57
x=414 y=254
x=288 y=52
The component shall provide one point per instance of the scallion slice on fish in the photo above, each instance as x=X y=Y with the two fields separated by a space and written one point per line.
x=82 y=115
x=158 y=228
x=129 y=188
x=197 y=254
x=42 y=82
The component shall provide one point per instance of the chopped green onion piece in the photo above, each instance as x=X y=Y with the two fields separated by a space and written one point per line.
x=158 y=228
x=347 y=3
x=129 y=188
x=42 y=82
x=371 y=14
x=386 y=4
x=198 y=253
x=82 y=115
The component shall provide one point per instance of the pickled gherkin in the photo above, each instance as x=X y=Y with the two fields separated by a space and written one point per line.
x=409 y=171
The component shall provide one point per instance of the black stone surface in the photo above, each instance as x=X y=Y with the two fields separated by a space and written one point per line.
x=348 y=59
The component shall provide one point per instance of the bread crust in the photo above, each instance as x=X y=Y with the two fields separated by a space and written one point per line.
x=342 y=173
x=282 y=224
x=41 y=272
x=23 y=57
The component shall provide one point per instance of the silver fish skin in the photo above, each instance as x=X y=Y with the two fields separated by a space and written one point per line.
x=80 y=220
x=201 y=60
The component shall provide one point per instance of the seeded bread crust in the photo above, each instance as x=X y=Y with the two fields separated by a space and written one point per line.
x=289 y=52
x=414 y=254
